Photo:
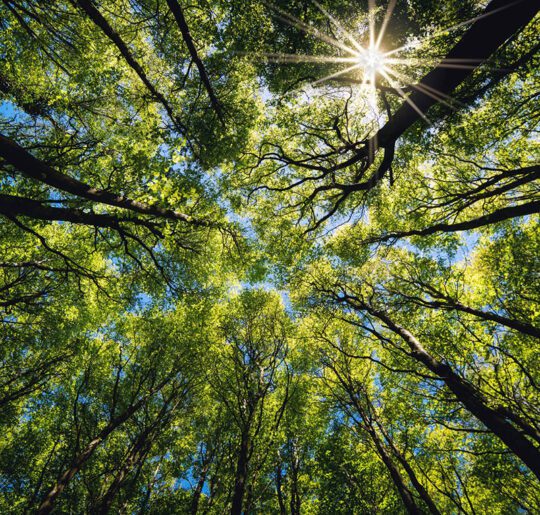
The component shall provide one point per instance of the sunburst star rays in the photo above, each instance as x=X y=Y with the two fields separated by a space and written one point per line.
x=370 y=61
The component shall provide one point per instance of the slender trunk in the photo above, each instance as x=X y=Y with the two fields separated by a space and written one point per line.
x=241 y=474
x=175 y=8
x=198 y=490
x=80 y=460
x=279 y=490
x=499 y=215
x=404 y=492
x=295 y=493
x=422 y=492
x=449 y=304
x=469 y=396
x=93 y=13
x=135 y=456
x=367 y=425
x=46 y=505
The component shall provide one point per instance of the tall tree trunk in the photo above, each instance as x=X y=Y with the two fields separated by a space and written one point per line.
x=295 y=468
x=198 y=489
x=178 y=13
x=47 y=504
x=469 y=396
x=135 y=457
x=241 y=474
x=279 y=488
x=505 y=213
x=500 y=20
x=397 y=478
x=422 y=492
x=93 y=13
x=32 y=167
x=368 y=415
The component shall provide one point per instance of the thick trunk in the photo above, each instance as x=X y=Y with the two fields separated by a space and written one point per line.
x=13 y=206
x=241 y=475
x=500 y=20
x=514 y=439
x=40 y=171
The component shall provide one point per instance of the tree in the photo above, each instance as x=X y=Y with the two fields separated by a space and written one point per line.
x=269 y=257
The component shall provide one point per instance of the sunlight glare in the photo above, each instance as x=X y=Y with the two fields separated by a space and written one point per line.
x=372 y=60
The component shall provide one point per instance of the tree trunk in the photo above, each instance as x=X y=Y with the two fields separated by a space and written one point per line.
x=198 y=490
x=295 y=493
x=175 y=8
x=404 y=492
x=47 y=504
x=28 y=165
x=241 y=475
x=500 y=20
x=422 y=492
x=469 y=397
x=135 y=456
x=499 y=215
x=92 y=12
x=279 y=489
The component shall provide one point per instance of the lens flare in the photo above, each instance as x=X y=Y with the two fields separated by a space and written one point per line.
x=372 y=60
x=368 y=66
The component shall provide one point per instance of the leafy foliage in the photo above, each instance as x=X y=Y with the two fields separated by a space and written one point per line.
x=237 y=275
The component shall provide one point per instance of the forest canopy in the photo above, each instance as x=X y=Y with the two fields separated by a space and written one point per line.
x=269 y=257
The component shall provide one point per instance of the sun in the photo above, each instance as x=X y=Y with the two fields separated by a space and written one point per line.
x=372 y=68
x=372 y=60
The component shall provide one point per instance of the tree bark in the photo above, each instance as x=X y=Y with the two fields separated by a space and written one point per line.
x=447 y=303
x=47 y=504
x=40 y=171
x=198 y=490
x=175 y=8
x=241 y=474
x=368 y=417
x=519 y=444
x=410 y=472
x=135 y=456
x=279 y=489
x=90 y=9
x=404 y=492
x=500 y=215
x=500 y=20
x=295 y=493
x=13 y=206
